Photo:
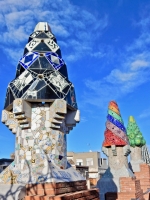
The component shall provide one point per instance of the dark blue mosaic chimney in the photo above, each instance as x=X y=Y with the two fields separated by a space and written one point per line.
x=41 y=73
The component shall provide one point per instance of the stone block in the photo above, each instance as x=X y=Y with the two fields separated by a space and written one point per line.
x=72 y=118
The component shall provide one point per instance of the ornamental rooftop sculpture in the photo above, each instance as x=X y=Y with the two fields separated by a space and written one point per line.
x=41 y=72
x=40 y=108
x=134 y=134
x=136 y=142
x=116 y=147
x=115 y=133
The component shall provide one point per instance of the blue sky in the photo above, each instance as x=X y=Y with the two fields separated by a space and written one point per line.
x=106 y=46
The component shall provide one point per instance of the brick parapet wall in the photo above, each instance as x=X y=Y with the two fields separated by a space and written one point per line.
x=144 y=171
x=144 y=177
x=129 y=188
x=61 y=191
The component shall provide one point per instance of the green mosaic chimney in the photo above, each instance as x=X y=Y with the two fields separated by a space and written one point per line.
x=134 y=135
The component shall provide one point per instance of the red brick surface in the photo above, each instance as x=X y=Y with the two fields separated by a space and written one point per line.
x=55 y=188
x=144 y=177
x=129 y=188
x=61 y=191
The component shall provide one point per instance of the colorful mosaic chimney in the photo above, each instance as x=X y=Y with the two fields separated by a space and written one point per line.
x=41 y=72
x=116 y=148
x=40 y=108
x=139 y=155
x=136 y=142
x=135 y=136
x=115 y=133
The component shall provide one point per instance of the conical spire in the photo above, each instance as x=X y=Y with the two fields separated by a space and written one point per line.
x=115 y=133
x=41 y=72
x=134 y=134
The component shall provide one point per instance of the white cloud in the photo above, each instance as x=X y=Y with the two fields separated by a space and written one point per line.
x=14 y=55
x=100 y=92
x=137 y=64
x=114 y=86
x=145 y=113
x=19 y=17
x=83 y=119
x=60 y=30
x=131 y=70
x=117 y=76
x=98 y=54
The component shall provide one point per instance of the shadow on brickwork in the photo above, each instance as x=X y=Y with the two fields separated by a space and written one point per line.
x=107 y=186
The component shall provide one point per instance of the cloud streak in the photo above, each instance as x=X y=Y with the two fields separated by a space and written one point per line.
x=145 y=114
x=131 y=71
x=66 y=20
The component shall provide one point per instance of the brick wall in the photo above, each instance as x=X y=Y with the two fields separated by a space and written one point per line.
x=144 y=177
x=129 y=188
x=61 y=191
